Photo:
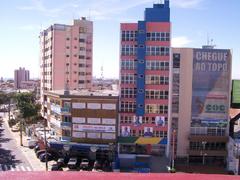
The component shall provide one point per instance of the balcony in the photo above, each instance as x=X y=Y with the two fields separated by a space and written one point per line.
x=66 y=124
x=65 y=110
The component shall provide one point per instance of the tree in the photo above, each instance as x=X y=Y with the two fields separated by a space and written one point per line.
x=28 y=109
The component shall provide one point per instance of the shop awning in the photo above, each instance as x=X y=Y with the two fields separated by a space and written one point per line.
x=147 y=140
x=127 y=140
x=163 y=141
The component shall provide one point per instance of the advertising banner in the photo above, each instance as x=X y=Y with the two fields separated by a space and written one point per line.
x=210 y=86
x=235 y=94
x=93 y=128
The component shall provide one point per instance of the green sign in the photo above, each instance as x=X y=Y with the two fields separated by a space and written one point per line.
x=236 y=92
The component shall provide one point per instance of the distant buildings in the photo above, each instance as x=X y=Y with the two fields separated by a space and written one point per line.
x=201 y=84
x=20 y=75
x=144 y=82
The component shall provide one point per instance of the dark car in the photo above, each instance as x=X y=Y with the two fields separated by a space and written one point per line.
x=42 y=157
x=97 y=165
x=39 y=152
x=62 y=162
x=84 y=164
x=56 y=167
x=73 y=163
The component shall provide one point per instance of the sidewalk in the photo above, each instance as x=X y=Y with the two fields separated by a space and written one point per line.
x=36 y=164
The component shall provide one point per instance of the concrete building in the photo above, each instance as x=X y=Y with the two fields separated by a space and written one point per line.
x=20 y=75
x=29 y=84
x=201 y=84
x=66 y=56
x=85 y=120
x=144 y=82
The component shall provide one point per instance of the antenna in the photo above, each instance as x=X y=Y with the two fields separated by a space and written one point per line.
x=207 y=39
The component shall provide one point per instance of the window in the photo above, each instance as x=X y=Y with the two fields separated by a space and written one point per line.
x=126 y=119
x=155 y=108
x=155 y=94
x=128 y=106
x=81 y=57
x=82 y=40
x=67 y=55
x=68 y=47
x=66 y=132
x=158 y=36
x=157 y=51
x=128 y=93
x=128 y=64
x=157 y=65
x=129 y=35
x=82 y=48
x=128 y=50
x=176 y=60
x=81 y=82
x=128 y=79
x=156 y=80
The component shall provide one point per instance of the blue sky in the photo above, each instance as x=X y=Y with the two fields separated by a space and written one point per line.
x=192 y=22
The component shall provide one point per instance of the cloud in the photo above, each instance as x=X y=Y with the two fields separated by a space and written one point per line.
x=181 y=41
x=186 y=3
x=38 y=5
x=29 y=27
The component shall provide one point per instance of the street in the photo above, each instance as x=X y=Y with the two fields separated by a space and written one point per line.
x=11 y=157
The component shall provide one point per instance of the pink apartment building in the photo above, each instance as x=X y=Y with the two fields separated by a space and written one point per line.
x=20 y=75
x=66 y=56
x=144 y=83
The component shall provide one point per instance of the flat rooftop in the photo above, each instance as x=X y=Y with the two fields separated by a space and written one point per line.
x=84 y=92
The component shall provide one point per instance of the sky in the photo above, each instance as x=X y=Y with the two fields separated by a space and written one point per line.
x=193 y=22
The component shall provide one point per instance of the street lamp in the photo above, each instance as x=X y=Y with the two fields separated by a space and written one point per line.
x=45 y=142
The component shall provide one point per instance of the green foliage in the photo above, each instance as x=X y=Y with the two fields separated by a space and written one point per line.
x=5 y=97
x=26 y=105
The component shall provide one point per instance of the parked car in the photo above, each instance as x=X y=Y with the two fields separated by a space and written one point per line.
x=62 y=162
x=32 y=143
x=56 y=167
x=42 y=157
x=15 y=128
x=38 y=153
x=84 y=164
x=36 y=148
x=97 y=165
x=72 y=163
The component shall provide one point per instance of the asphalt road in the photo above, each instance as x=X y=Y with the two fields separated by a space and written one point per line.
x=11 y=158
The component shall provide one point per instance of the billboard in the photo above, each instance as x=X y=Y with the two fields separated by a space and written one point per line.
x=235 y=103
x=210 y=87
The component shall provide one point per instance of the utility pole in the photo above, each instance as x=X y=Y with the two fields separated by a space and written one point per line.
x=45 y=142
x=173 y=149
x=21 y=123
x=9 y=110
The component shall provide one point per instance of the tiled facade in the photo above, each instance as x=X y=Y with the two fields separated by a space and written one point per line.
x=144 y=74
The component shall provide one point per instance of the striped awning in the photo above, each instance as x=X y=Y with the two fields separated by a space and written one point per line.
x=148 y=140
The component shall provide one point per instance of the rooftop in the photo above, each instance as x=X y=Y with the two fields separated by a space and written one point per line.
x=85 y=92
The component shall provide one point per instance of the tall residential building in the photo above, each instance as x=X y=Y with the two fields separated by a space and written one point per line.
x=144 y=83
x=201 y=87
x=20 y=75
x=66 y=56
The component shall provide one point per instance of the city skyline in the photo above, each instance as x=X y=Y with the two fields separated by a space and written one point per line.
x=24 y=20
